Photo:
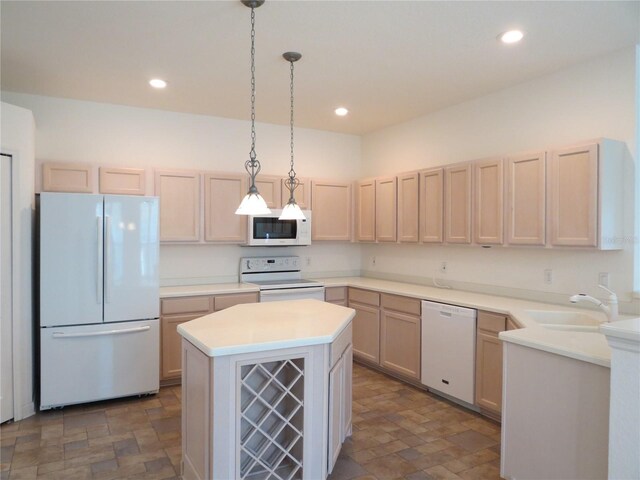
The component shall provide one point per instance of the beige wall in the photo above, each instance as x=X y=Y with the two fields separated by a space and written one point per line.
x=103 y=134
x=595 y=99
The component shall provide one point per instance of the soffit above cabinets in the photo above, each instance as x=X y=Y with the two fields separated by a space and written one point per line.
x=386 y=61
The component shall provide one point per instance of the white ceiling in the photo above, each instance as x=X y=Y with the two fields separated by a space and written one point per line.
x=387 y=61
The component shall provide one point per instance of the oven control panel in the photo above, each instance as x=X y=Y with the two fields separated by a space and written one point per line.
x=269 y=264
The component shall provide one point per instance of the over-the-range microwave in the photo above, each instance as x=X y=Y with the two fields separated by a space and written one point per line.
x=269 y=230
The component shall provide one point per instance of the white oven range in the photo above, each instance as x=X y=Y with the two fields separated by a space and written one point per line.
x=279 y=278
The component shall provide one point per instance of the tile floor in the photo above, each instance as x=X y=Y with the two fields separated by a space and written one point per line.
x=398 y=432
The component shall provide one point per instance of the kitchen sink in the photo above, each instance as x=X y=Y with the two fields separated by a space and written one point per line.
x=566 y=321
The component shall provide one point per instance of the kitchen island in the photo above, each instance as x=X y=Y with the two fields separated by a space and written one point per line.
x=266 y=390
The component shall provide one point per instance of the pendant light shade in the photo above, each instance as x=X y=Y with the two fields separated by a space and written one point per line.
x=291 y=210
x=253 y=203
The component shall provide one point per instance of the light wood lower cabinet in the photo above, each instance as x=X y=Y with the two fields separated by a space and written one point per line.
x=336 y=295
x=177 y=310
x=400 y=343
x=366 y=324
x=489 y=361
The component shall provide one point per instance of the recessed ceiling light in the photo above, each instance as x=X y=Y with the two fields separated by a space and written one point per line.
x=341 y=111
x=157 y=83
x=512 y=36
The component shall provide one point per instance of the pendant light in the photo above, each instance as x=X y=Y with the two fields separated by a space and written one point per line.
x=253 y=203
x=291 y=210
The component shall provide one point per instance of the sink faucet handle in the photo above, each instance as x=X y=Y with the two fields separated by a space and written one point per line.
x=612 y=294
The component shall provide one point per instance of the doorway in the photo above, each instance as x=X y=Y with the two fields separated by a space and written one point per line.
x=6 y=294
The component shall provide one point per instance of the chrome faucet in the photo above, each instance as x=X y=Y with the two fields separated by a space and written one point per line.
x=611 y=310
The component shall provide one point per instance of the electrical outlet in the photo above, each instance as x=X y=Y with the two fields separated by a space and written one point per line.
x=603 y=279
x=548 y=276
x=373 y=261
x=443 y=267
x=308 y=259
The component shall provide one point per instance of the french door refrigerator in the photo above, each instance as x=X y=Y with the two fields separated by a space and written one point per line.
x=99 y=297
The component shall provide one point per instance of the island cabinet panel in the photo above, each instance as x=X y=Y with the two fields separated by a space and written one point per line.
x=173 y=312
x=270 y=187
x=525 y=202
x=386 y=209
x=179 y=193
x=366 y=324
x=431 y=205
x=408 y=208
x=122 y=181
x=302 y=193
x=457 y=221
x=489 y=362
x=366 y=211
x=400 y=335
x=67 y=177
x=337 y=295
x=331 y=210
x=488 y=201
x=222 y=194
x=336 y=394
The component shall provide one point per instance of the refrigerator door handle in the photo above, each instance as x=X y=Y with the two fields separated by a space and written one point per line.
x=99 y=261
x=107 y=258
x=97 y=334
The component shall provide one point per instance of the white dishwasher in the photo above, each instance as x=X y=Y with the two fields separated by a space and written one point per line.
x=449 y=349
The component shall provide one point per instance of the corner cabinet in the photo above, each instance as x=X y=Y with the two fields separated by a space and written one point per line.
x=457 y=207
x=331 y=210
x=586 y=195
x=179 y=193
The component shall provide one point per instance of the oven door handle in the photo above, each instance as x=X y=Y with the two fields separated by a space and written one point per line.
x=288 y=291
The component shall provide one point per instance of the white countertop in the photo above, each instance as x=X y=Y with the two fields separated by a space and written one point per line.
x=208 y=289
x=257 y=327
x=586 y=346
x=625 y=329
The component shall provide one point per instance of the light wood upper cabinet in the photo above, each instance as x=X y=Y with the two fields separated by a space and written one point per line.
x=488 y=201
x=179 y=193
x=408 y=207
x=122 y=181
x=431 y=205
x=270 y=187
x=67 y=177
x=457 y=222
x=331 y=210
x=223 y=193
x=386 y=209
x=366 y=211
x=525 y=202
x=302 y=193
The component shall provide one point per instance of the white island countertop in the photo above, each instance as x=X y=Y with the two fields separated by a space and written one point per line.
x=258 y=327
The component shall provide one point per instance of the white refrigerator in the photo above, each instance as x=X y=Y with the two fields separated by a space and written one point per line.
x=99 y=297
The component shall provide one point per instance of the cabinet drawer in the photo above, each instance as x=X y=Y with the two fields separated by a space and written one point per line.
x=492 y=322
x=364 y=296
x=225 y=301
x=401 y=304
x=335 y=294
x=200 y=304
x=340 y=344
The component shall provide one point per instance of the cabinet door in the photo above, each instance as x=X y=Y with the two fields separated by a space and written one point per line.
x=122 y=181
x=171 y=346
x=302 y=193
x=222 y=195
x=489 y=371
x=366 y=211
x=525 y=203
x=366 y=332
x=347 y=398
x=431 y=205
x=458 y=203
x=573 y=196
x=67 y=177
x=270 y=189
x=386 y=205
x=400 y=343
x=331 y=210
x=336 y=404
x=408 y=208
x=489 y=204
x=179 y=194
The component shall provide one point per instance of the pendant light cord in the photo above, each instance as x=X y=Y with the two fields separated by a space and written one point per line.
x=292 y=172
x=292 y=182
x=252 y=153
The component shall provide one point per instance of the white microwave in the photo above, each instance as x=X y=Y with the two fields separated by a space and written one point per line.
x=269 y=230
